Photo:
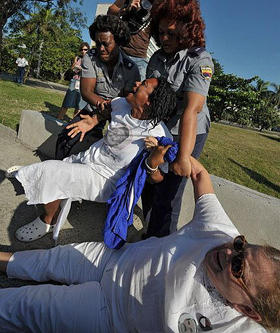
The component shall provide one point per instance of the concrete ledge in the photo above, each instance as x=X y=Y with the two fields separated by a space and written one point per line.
x=7 y=132
x=38 y=131
x=255 y=214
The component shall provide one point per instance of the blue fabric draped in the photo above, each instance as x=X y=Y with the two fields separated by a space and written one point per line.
x=128 y=191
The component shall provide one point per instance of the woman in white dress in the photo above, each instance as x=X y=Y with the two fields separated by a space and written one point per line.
x=92 y=175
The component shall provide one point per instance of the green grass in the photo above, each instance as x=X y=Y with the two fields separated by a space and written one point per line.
x=14 y=98
x=246 y=157
x=243 y=156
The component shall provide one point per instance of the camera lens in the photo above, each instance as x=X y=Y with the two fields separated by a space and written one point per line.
x=145 y=4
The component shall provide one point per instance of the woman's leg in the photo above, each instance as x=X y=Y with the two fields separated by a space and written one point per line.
x=68 y=264
x=51 y=308
x=51 y=211
x=62 y=113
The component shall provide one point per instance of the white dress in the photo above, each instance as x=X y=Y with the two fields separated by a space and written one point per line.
x=90 y=175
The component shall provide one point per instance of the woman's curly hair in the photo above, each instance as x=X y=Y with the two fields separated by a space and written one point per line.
x=162 y=102
x=186 y=13
x=105 y=23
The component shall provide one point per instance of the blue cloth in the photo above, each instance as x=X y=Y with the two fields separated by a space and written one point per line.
x=128 y=191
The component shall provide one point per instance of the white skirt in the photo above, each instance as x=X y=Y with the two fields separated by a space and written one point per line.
x=51 y=180
x=47 y=181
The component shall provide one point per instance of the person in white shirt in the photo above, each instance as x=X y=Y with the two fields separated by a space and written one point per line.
x=21 y=64
x=92 y=174
x=204 y=277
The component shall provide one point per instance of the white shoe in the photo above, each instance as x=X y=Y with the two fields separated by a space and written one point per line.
x=11 y=172
x=33 y=230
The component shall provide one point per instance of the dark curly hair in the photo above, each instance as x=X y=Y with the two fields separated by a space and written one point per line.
x=186 y=13
x=105 y=23
x=162 y=102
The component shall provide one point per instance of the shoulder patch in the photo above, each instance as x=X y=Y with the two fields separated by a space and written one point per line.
x=196 y=50
x=128 y=64
x=206 y=72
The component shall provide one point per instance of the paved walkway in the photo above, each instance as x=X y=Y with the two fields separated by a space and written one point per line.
x=36 y=82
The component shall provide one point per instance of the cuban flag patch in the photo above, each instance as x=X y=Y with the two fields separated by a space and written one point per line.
x=206 y=72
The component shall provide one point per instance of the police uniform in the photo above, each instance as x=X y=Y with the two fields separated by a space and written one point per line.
x=124 y=76
x=190 y=70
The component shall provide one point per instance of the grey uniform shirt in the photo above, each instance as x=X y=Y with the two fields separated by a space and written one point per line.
x=189 y=70
x=123 y=79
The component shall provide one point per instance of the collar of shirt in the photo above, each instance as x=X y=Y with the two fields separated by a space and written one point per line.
x=178 y=56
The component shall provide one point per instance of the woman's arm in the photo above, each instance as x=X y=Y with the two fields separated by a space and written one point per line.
x=200 y=178
x=193 y=103
x=115 y=8
x=118 y=9
x=74 y=65
x=155 y=159
x=87 y=87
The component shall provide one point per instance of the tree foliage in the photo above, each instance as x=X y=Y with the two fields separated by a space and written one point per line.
x=51 y=44
x=247 y=102
x=16 y=11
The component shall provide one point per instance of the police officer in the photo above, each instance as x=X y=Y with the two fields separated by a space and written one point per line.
x=187 y=66
x=106 y=73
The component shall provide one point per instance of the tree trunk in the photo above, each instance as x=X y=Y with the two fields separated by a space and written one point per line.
x=62 y=76
x=1 y=42
x=39 y=59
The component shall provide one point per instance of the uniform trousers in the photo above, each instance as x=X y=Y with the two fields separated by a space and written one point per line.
x=162 y=202
x=78 y=305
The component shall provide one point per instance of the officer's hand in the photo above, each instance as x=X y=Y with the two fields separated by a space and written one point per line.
x=181 y=167
x=82 y=126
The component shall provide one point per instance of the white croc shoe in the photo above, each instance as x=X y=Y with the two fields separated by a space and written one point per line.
x=33 y=230
x=11 y=172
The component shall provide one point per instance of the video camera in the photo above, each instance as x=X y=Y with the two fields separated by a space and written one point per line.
x=138 y=18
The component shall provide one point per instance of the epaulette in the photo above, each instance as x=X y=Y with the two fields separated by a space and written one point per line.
x=92 y=52
x=196 y=50
x=128 y=64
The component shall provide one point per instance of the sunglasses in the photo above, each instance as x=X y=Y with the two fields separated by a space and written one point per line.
x=237 y=261
x=84 y=49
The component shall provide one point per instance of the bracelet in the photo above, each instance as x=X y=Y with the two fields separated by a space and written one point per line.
x=149 y=169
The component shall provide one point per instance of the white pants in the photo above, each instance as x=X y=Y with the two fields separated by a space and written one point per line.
x=79 y=306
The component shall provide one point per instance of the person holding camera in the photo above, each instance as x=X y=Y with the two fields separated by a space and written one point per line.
x=73 y=97
x=136 y=13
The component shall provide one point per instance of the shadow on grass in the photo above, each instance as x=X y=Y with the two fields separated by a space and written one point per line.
x=53 y=110
x=52 y=107
x=274 y=138
x=257 y=177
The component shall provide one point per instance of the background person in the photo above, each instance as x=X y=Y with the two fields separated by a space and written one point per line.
x=204 y=277
x=73 y=97
x=129 y=11
x=21 y=64
x=106 y=73
x=178 y=29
